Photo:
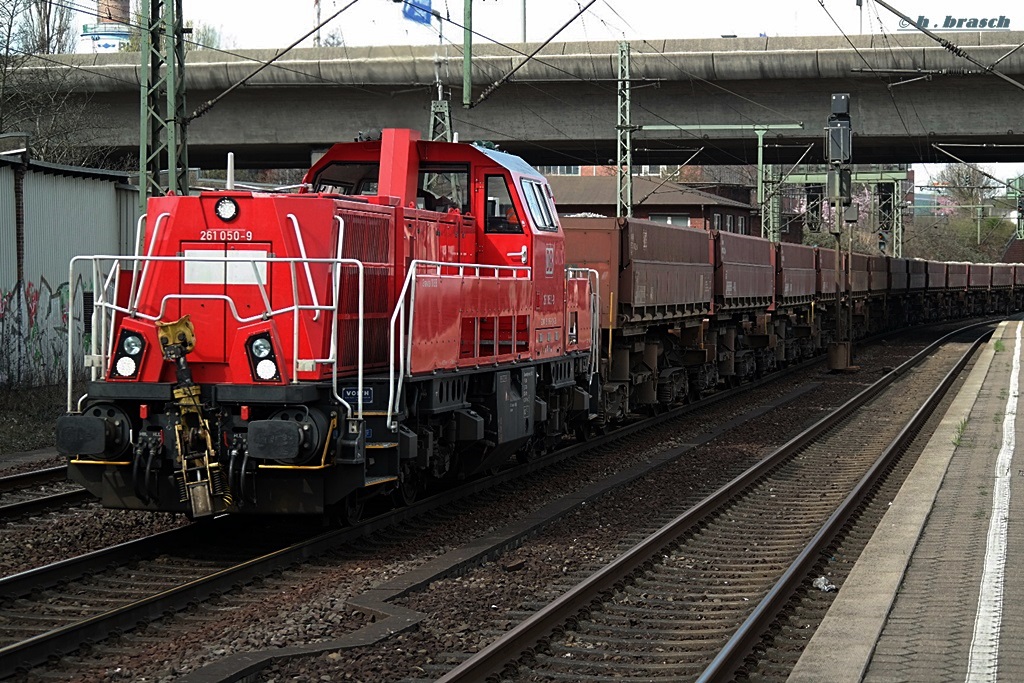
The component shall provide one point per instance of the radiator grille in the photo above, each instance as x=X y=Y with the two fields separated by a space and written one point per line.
x=367 y=239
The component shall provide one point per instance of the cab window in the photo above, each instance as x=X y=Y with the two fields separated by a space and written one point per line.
x=443 y=187
x=350 y=178
x=541 y=210
x=501 y=213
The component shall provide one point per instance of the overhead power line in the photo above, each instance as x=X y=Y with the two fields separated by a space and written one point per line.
x=209 y=104
x=197 y=45
x=501 y=81
x=955 y=49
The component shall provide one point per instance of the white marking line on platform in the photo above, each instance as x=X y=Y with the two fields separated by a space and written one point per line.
x=984 y=656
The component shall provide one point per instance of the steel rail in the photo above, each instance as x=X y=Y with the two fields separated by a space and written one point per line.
x=48 y=475
x=38 y=649
x=730 y=657
x=492 y=659
x=20 y=584
x=34 y=505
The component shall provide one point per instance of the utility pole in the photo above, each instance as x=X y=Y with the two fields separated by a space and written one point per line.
x=162 y=128
x=838 y=147
x=769 y=229
x=467 y=54
x=1016 y=193
x=316 y=40
x=624 y=167
x=624 y=161
x=882 y=179
x=440 y=128
x=440 y=109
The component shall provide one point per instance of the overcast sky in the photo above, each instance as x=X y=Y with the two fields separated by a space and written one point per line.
x=265 y=23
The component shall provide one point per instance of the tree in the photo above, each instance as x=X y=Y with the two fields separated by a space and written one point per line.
x=45 y=27
x=205 y=37
x=35 y=98
x=334 y=39
x=198 y=36
x=966 y=185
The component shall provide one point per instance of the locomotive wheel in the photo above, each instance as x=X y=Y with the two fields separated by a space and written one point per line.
x=582 y=432
x=409 y=485
x=348 y=511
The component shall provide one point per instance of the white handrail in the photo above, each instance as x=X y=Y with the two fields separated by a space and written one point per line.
x=137 y=283
x=302 y=252
x=336 y=281
x=107 y=336
x=336 y=293
x=140 y=226
x=593 y=280
x=404 y=342
x=71 y=323
x=101 y=351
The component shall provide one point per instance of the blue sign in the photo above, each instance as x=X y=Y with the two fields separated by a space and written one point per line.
x=351 y=394
x=417 y=10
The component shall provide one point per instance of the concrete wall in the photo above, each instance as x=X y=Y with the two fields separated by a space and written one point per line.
x=561 y=107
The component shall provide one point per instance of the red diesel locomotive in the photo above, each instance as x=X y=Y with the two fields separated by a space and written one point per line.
x=407 y=317
x=419 y=312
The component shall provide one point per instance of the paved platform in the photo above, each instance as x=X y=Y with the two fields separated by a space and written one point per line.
x=936 y=595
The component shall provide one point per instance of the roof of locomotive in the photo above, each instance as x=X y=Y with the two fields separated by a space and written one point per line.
x=428 y=151
x=510 y=161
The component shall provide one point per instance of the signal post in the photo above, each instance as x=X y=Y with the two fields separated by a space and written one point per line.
x=838 y=147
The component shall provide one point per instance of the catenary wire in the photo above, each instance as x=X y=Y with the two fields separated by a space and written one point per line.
x=895 y=105
x=71 y=5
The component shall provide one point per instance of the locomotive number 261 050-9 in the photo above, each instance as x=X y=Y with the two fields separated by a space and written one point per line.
x=225 y=235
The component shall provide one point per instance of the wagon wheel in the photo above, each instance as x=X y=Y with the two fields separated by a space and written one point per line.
x=527 y=453
x=409 y=486
x=582 y=431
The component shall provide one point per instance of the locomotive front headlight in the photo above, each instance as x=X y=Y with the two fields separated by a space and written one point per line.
x=125 y=366
x=261 y=347
x=266 y=370
x=226 y=209
x=132 y=345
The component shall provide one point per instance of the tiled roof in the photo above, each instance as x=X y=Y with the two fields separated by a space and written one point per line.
x=1014 y=252
x=602 y=191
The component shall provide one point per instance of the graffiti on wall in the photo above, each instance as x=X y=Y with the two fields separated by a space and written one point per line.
x=34 y=328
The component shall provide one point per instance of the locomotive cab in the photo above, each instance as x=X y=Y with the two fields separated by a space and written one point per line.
x=407 y=316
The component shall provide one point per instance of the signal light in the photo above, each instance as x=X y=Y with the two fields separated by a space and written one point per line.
x=128 y=356
x=262 y=360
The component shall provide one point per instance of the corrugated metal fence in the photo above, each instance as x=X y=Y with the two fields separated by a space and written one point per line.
x=67 y=212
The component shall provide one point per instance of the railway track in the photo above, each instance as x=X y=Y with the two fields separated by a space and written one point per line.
x=693 y=599
x=56 y=608
x=517 y=565
x=31 y=492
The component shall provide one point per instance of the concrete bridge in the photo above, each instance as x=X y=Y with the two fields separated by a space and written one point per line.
x=561 y=108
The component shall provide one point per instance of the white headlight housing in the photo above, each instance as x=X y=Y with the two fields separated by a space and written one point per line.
x=226 y=209
x=266 y=370
x=125 y=366
x=261 y=347
x=132 y=345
